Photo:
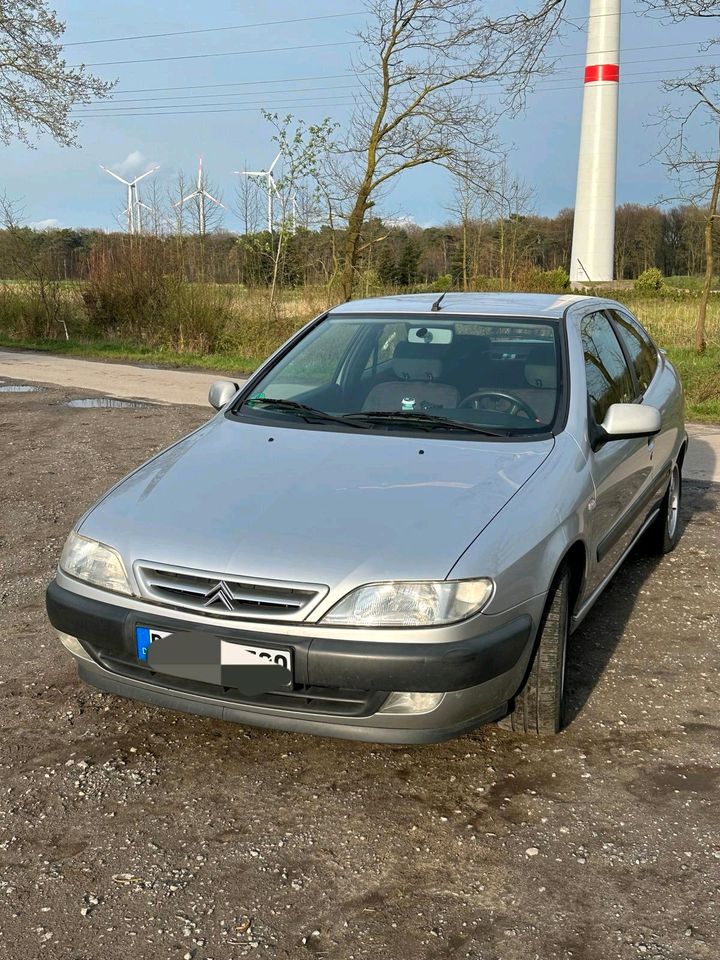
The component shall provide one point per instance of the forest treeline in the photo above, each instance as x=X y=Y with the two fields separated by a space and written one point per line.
x=462 y=255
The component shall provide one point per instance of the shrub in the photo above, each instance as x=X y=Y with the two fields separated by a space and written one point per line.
x=650 y=280
x=442 y=284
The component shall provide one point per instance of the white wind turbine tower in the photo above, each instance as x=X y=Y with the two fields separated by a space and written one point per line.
x=593 y=245
x=272 y=190
x=202 y=197
x=134 y=204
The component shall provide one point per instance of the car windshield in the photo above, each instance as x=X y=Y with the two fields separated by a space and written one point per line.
x=469 y=376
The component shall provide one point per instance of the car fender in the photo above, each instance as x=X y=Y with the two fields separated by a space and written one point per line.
x=523 y=546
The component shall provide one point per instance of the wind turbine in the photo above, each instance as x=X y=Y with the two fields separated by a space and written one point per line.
x=134 y=204
x=272 y=190
x=203 y=196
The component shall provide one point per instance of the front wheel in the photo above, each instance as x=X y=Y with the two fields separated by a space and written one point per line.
x=664 y=532
x=539 y=707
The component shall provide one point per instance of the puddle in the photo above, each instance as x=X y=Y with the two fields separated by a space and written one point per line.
x=19 y=388
x=108 y=403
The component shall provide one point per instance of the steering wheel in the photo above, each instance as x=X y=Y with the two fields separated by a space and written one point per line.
x=515 y=404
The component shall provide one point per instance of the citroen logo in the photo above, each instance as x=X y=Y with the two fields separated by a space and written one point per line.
x=221 y=594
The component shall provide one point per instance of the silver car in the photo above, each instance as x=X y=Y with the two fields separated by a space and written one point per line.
x=390 y=530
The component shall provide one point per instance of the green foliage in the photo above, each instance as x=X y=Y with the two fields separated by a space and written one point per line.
x=442 y=284
x=650 y=280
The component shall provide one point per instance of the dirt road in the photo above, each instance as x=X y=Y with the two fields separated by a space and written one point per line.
x=128 y=832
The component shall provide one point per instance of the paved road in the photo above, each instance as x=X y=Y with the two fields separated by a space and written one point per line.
x=182 y=386
x=112 y=379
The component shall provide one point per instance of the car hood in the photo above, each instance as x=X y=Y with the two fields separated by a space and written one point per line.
x=318 y=506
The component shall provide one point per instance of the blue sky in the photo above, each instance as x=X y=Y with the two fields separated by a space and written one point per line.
x=67 y=186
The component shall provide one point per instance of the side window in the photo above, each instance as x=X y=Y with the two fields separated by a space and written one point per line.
x=606 y=372
x=639 y=347
x=388 y=338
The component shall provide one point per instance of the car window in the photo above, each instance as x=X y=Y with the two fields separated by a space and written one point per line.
x=606 y=371
x=316 y=363
x=388 y=338
x=643 y=355
x=501 y=373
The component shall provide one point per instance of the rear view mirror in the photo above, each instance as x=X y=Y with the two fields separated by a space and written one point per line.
x=626 y=420
x=221 y=393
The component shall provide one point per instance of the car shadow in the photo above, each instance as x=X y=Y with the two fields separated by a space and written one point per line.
x=594 y=643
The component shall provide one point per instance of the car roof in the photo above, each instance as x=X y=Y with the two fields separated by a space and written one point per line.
x=477 y=304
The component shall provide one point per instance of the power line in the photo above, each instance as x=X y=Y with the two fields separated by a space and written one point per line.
x=343 y=43
x=110 y=111
x=229 y=53
x=189 y=113
x=241 y=26
x=200 y=109
x=242 y=83
x=291 y=91
x=235 y=93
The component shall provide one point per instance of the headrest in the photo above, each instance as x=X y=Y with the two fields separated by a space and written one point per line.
x=541 y=367
x=417 y=361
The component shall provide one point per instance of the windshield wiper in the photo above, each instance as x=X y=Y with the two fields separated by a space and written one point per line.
x=417 y=418
x=302 y=409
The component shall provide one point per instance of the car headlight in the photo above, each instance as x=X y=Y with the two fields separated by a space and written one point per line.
x=94 y=562
x=423 y=603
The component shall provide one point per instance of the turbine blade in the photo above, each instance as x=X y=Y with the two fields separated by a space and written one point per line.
x=146 y=174
x=211 y=197
x=116 y=175
x=274 y=162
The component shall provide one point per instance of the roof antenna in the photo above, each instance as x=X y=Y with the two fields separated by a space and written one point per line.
x=435 y=308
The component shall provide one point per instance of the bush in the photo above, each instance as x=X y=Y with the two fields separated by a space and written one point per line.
x=650 y=281
x=442 y=284
x=545 y=281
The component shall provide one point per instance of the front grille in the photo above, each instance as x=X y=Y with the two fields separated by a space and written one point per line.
x=217 y=595
x=329 y=701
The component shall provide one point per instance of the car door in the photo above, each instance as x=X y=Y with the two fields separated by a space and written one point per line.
x=621 y=469
x=655 y=389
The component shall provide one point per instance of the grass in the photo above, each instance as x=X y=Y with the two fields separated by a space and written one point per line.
x=120 y=351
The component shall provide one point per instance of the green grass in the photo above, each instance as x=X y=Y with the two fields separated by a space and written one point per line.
x=700 y=374
x=121 y=351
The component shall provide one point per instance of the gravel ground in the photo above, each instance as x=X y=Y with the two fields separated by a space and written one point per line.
x=126 y=831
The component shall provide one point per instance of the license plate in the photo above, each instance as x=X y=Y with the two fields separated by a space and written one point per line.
x=230 y=654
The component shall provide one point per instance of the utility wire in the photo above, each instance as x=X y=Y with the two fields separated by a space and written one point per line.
x=240 y=26
x=229 y=53
x=157 y=102
x=199 y=110
x=242 y=83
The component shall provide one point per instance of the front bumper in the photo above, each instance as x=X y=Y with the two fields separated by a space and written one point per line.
x=340 y=684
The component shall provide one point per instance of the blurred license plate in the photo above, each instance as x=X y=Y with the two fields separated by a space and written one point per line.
x=231 y=654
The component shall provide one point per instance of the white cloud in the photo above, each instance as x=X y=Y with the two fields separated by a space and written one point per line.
x=50 y=224
x=134 y=164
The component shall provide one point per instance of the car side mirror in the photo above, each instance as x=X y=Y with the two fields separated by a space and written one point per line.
x=221 y=393
x=626 y=420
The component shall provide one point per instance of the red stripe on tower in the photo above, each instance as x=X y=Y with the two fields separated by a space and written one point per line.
x=602 y=71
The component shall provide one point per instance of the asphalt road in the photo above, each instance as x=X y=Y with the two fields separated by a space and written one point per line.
x=131 y=832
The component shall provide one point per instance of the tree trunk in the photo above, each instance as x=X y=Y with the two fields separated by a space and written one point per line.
x=700 y=343
x=352 y=240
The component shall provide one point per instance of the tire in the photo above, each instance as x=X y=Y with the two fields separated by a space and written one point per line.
x=539 y=707
x=664 y=532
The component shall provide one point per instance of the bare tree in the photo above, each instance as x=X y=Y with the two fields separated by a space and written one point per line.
x=422 y=66
x=247 y=205
x=38 y=89
x=696 y=170
x=29 y=261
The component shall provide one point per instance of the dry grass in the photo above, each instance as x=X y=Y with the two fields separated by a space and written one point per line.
x=672 y=321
